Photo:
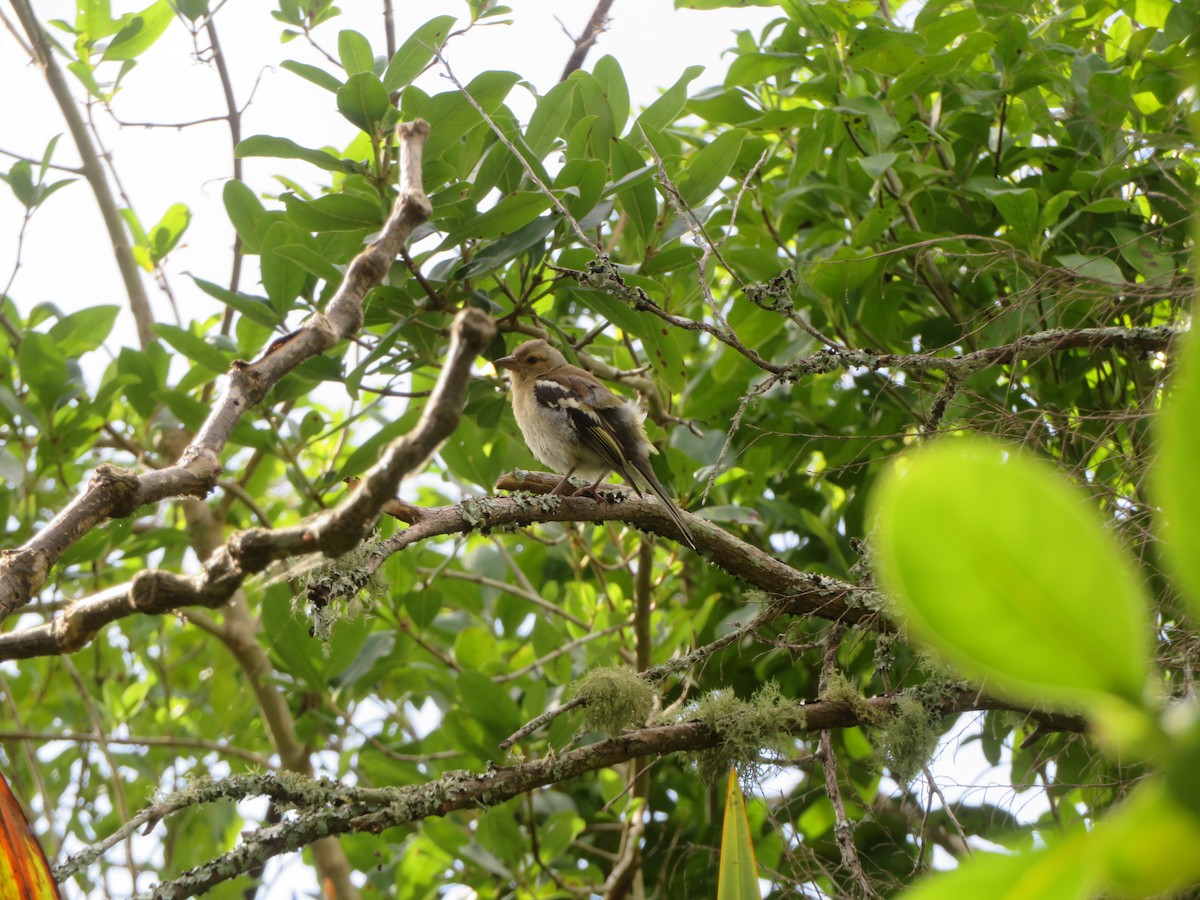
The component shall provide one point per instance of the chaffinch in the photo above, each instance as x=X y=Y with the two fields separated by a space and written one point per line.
x=573 y=423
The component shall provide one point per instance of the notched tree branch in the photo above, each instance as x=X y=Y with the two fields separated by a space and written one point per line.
x=116 y=493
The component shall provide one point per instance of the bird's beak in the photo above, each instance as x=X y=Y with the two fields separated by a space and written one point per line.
x=505 y=362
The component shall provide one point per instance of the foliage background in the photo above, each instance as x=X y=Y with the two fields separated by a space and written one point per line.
x=865 y=193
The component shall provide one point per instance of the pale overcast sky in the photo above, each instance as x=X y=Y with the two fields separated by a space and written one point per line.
x=66 y=260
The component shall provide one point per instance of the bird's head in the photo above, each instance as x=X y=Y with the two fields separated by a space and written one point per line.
x=531 y=359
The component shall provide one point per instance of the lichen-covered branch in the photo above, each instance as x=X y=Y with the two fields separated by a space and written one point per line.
x=117 y=493
x=327 y=809
x=247 y=552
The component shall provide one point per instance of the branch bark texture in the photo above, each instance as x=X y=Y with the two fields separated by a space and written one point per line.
x=116 y=493
x=328 y=810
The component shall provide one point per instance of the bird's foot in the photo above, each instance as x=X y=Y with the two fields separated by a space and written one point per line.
x=591 y=491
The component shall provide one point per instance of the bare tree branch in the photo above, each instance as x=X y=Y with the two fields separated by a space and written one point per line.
x=248 y=552
x=585 y=41
x=117 y=493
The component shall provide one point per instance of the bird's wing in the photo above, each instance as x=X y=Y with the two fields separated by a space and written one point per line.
x=599 y=416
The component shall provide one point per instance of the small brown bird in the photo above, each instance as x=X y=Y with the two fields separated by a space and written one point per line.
x=573 y=423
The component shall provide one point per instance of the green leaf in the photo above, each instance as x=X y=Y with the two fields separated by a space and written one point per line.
x=85 y=330
x=549 y=117
x=139 y=31
x=666 y=109
x=635 y=187
x=334 y=212
x=492 y=256
x=165 y=236
x=582 y=181
x=1064 y=872
x=244 y=210
x=450 y=115
x=1001 y=564
x=289 y=639
x=416 y=52
x=283 y=148
x=1175 y=482
x=489 y=703
x=192 y=9
x=44 y=369
x=506 y=217
x=878 y=163
x=737 y=877
x=755 y=68
x=194 y=347
x=1099 y=268
x=355 y=53
x=611 y=79
x=20 y=179
x=710 y=166
x=880 y=122
x=364 y=102
x=257 y=308
x=885 y=51
x=317 y=76
x=281 y=278
x=1146 y=848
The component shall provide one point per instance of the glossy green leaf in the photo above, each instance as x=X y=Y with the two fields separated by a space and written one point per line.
x=165 y=236
x=313 y=74
x=635 y=187
x=663 y=111
x=257 y=308
x=710 y=167
x=611 y=79
x=491 y=256
x=44 y=369
x=354 y=51
x=83 y=331
x=244 y=210
x=1175 y=482
x=139 y=31
x=550 y=117
x=311 y=261
x=451 y=115
x=755 y=68
x=738 y=877
x=584 y=181
x=364 y=101
x=284 y=148
x=334 y=212
x=506 y=217
x=593 y=101
x=1146 y=848
x=1067 y=871
x=975 y=542
x=416 y=52
x=281 y=278
x=194 y=347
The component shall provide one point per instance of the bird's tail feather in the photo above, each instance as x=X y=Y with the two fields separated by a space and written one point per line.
x=676 y=515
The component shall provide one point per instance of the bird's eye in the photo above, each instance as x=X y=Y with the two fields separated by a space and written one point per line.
x=531 y=359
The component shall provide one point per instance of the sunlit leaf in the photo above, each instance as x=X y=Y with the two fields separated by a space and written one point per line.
x=1000 y=563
